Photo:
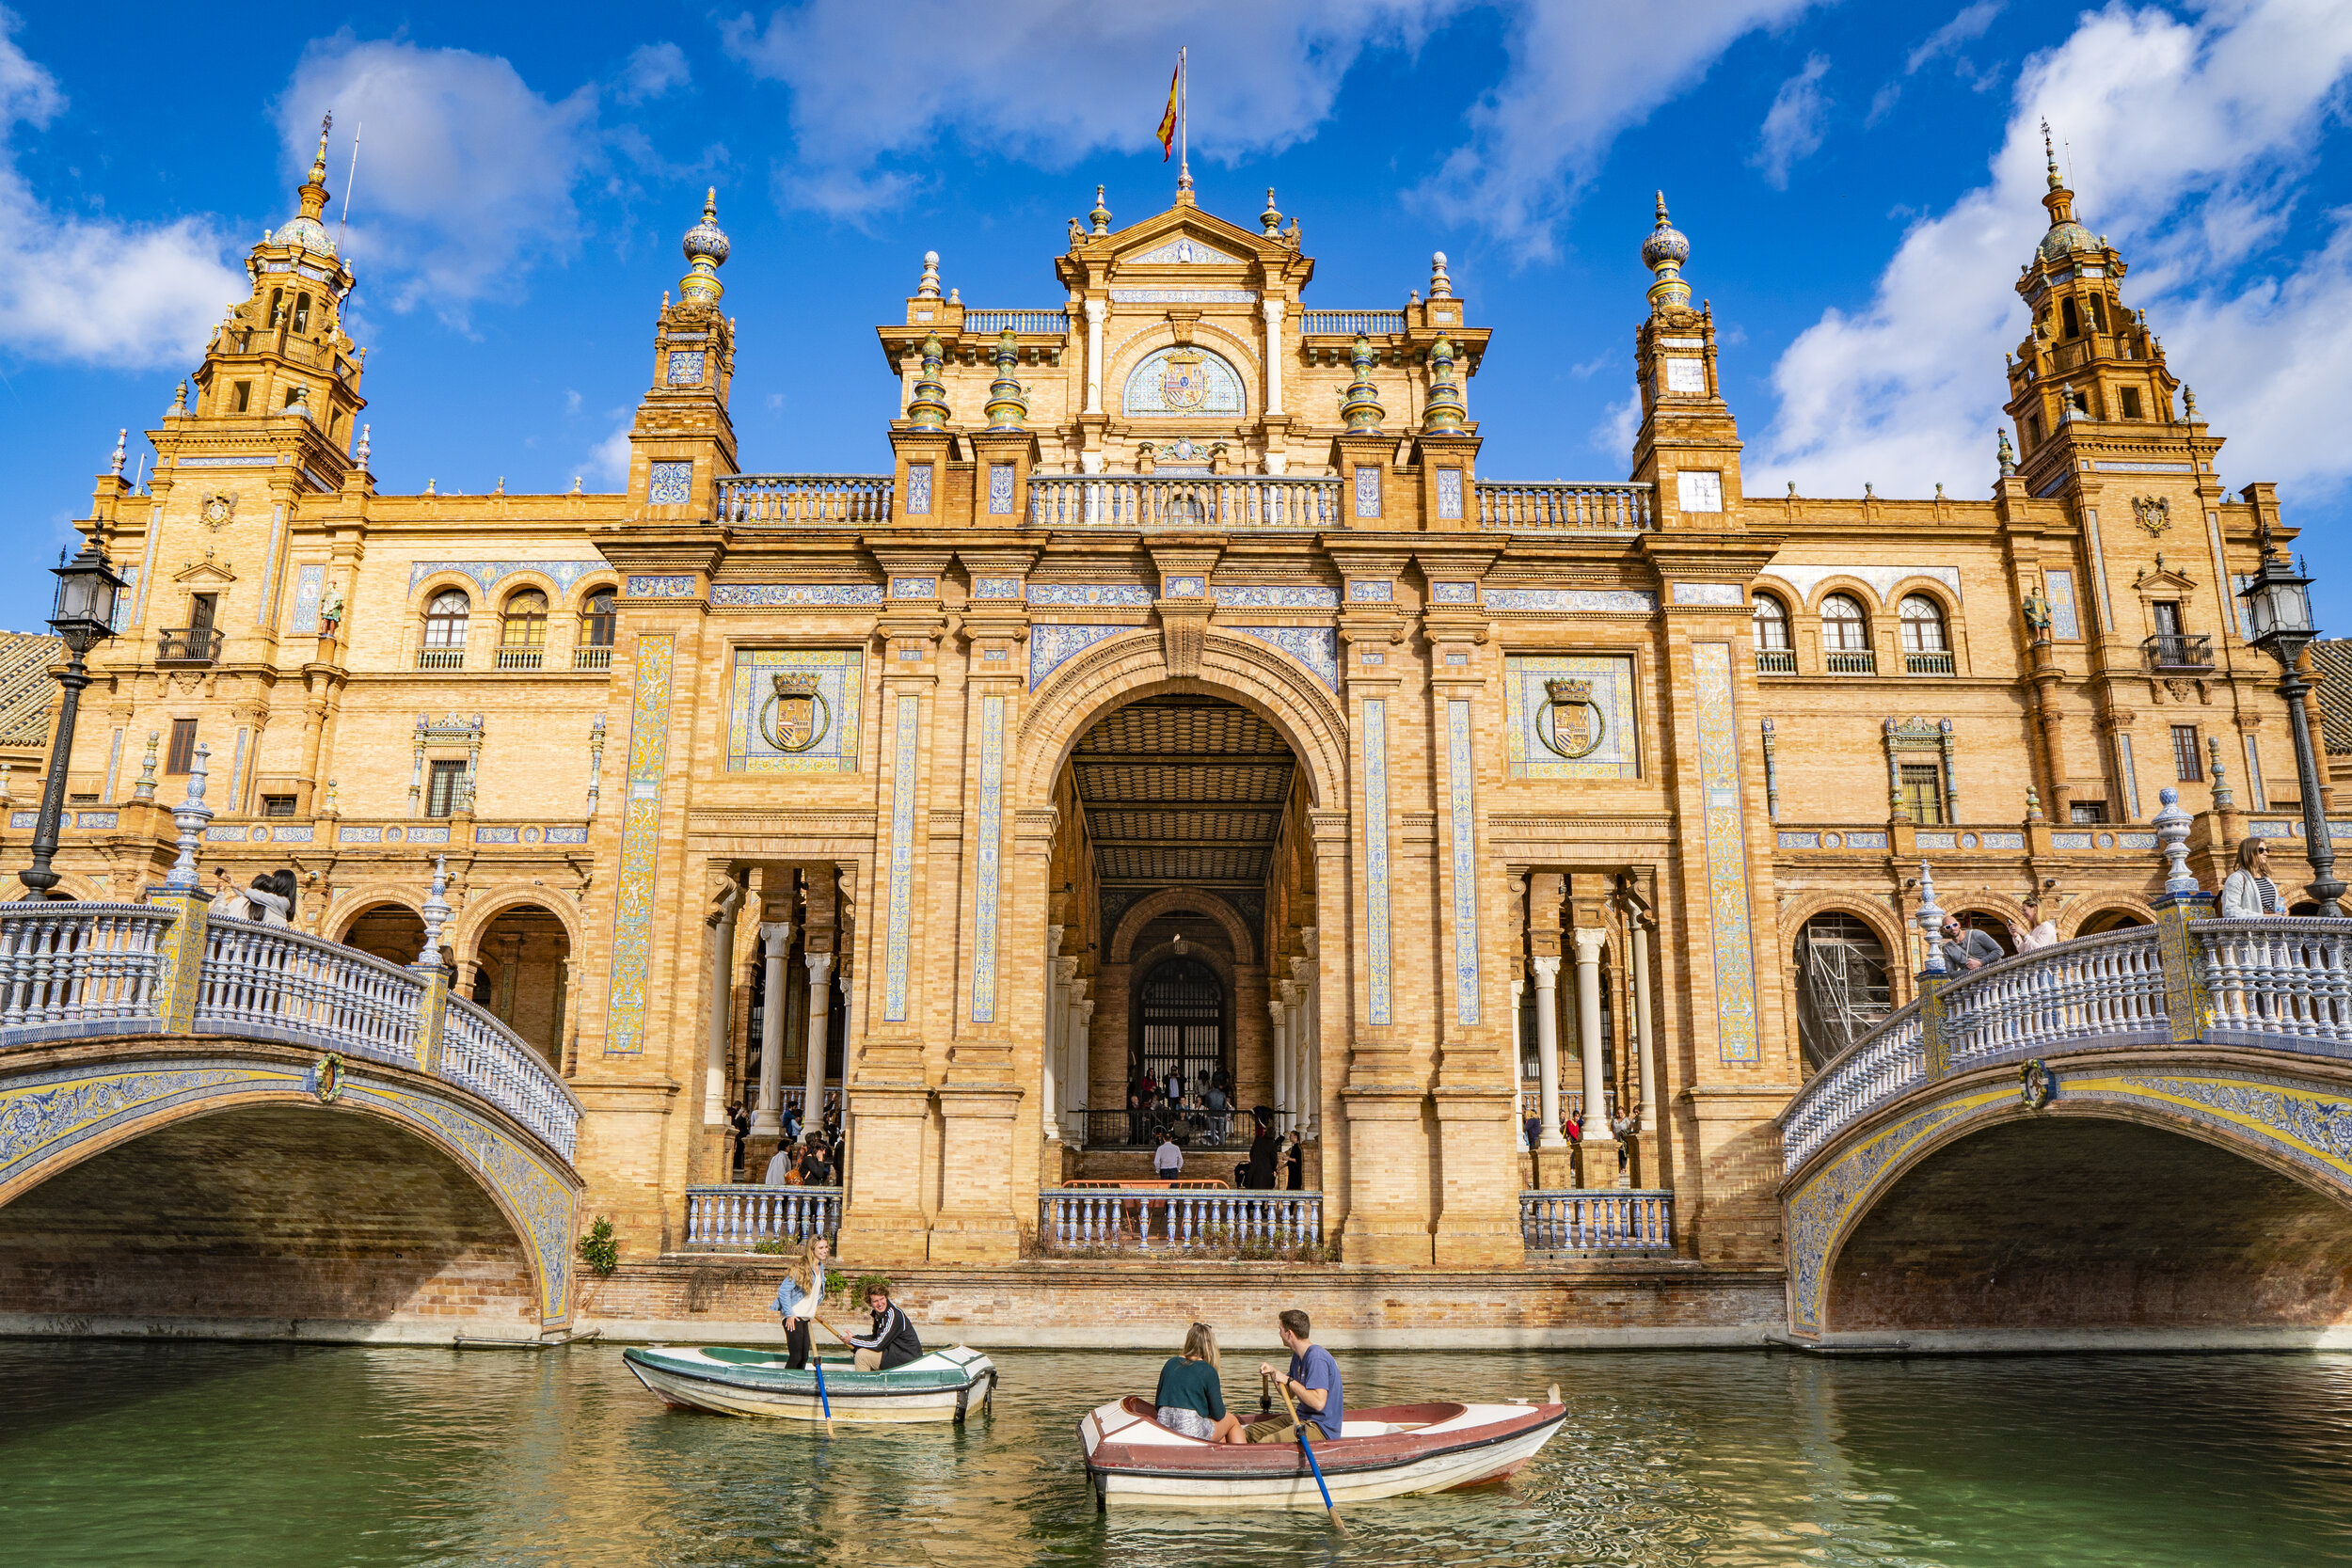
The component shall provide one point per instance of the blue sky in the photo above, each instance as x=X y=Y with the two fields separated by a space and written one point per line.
x=1859 y=184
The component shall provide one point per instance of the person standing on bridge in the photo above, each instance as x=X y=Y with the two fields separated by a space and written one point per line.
x=1967 y=950
x=2041 y=933
x=2248 y=894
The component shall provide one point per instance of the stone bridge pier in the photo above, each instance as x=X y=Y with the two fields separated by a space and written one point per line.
x=214 y=1128
x=2138 y=1139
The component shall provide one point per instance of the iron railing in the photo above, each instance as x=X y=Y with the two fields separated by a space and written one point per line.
x=2171 y=652
x=188 y=645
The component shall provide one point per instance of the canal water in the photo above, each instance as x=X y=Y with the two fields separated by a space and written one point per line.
x=197 y=1454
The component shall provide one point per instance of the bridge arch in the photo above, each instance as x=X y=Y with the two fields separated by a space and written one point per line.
x=281 y=1184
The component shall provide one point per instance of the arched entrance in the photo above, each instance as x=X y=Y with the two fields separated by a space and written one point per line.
x=1842 y=989
x=1180 y=1029
x=521 y=964
x=390 y=932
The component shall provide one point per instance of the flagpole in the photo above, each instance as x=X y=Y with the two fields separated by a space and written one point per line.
x=1183 y=121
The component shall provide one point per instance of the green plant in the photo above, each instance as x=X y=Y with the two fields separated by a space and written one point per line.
x=598 y=1250
x=866 y=1285
x=773 y=1248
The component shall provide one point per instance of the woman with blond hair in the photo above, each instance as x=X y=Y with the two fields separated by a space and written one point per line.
x=1191 y=1401
x=798 y=1296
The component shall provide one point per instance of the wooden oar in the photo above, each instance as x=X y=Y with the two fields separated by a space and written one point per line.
x=819 y=1362
x=1337 y=1523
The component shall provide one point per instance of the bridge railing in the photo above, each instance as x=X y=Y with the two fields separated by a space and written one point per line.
x=2279 y=982
x=1182 y=1219
x=742 y=1216
x=1597 y=1219
x=69 y=968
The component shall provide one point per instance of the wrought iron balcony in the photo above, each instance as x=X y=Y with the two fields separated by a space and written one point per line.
x=2177 y=653
x=1775 y=661
x=188 y=645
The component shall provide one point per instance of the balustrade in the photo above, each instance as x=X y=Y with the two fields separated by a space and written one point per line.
x=1190 y=500
x=2279 y=981
x=1351 y=324
x=743 y=1216
x=480 y=1054
x=1597 y=1219
x=1037 y=323
x=1524 y=507
x=69 y=968
x=274 y=981
x=785 y=499
x=1185 y=1219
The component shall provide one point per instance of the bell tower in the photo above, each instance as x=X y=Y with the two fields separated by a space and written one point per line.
x=684 y=441
x=281 y=354
x=1689 y=443
x=2089 y=362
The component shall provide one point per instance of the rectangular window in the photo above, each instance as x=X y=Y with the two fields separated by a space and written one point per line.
x=278 y=805
x=2131 y=403
x=2086 y=813
x=243 y=397
x=2187 y=761
x=448 y=783
x=2099 y=311
x=2073 y=320
x=2168 y=614
x=181 y=754
x=1700 y=489
x=1923 y=792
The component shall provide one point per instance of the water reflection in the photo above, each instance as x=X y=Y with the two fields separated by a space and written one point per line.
x=132 y=1453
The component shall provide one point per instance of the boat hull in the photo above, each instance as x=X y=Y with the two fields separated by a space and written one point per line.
x=1134 y=1462
x=943 y=1386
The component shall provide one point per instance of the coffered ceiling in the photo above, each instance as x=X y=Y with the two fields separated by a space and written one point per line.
x=1182 y=791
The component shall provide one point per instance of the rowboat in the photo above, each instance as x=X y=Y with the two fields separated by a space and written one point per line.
x=1390 y=1451
x=726 y=1380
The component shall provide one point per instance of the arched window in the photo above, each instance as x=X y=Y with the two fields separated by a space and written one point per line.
x=445 y=621
x=1926 y=651
x=302 y=313
x=1841 y=985
x=1846 y=637
x=523 y=630
x=1775 y=654
x=276 y=305
x=597 y=621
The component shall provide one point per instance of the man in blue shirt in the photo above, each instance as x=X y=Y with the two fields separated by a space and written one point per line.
x=1313 y=1381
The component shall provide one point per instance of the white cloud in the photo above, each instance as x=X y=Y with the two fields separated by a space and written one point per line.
x=1262 y=78
x=161 y=285
x=466 y=174
x=652 y=68
x=1792 y=126
x=609 y=458
x=2189 y=138
x=1966 y=27
x=1579 y=76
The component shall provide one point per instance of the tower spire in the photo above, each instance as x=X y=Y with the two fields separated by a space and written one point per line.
x=313 y=192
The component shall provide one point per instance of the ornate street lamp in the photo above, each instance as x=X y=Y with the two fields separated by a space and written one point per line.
x=83 y=618
x=2279 y=603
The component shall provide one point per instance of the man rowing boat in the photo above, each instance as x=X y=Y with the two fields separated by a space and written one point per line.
x=893 y=1343
x=1312 y=1379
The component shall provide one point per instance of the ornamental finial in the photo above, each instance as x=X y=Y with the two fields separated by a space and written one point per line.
x=927 y=287
x=706 y=250
x=120 y=437
x=360 y=456
x=1440 y=285
x=145 y=788
x=927 y=408
x=1931 y=920
x=436 y=913
x=1663 y=253
x=2172 y=842
x=1362 y=411
x=1444 y=415
x=1007 y=407
x=2008 y=456
x=1270 y=221
x=189 y=817
x=1101 y=216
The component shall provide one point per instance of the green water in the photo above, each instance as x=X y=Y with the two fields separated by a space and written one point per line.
x=201 y=1454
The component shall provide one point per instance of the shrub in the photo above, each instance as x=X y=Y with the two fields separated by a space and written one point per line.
x=598 y=1250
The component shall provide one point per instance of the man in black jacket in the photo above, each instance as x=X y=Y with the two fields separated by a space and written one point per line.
x=893 y=1343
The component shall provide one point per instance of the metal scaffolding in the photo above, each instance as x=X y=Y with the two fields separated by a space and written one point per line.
x=1842 y=992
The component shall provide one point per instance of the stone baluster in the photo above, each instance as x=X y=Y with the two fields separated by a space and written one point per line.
x=768 y=1119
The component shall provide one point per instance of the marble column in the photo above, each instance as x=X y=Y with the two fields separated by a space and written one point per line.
x=721 y=1008
x=1096 y=310
x=1049 y=1055
x=1310 y=1050
x=1271 y=310
x=1548 y=1050
x=820 y=1025
x=1278 y=1058
x=1519 y=1050
x=1075 y=1086
x=768 y=1118
x=1599 y=1143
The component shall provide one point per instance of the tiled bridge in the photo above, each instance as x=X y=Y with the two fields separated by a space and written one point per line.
x=215 y=1126
x=2147 y=1132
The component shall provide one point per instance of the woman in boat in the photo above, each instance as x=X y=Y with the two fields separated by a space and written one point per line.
x=798 y=1296
x=1191 y=1401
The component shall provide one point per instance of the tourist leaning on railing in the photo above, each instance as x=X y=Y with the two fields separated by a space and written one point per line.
x=2041 y=933
x=2248 y=894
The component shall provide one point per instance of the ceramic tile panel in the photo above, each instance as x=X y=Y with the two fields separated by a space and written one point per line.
x=1586 y=601
x=1378 y=970
x=1316 y=647
x=784 y=596
x=898 y=925
x=627 y=998
x=1052 y=645
x=1728 y=915
x=990 y=855
x=1534 y=742
x=812 y=730
x=1462 y=826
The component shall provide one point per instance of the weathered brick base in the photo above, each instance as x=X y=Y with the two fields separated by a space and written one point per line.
x=1147 y=1303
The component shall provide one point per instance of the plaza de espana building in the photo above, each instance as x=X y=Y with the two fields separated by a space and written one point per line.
x=1193 y=695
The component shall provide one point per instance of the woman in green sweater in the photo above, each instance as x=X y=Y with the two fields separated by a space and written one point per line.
x=1190 y=1399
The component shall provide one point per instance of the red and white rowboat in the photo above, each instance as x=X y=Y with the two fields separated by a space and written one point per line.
x=1391 y=1452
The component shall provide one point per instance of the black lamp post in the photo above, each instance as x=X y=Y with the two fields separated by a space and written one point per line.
x=83 y=618
x=2278 y=602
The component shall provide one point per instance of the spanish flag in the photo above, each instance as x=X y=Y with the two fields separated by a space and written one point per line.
x=1167 y=120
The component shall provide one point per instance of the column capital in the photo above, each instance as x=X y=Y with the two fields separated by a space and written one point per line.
x=777 y=935
x=1272 y=309
x=819 y=965
x=1589 y=943
x=1097 y=309
x=1546 y=967
x=1086 y=1012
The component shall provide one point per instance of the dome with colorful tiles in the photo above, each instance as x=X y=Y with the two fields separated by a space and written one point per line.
x=707 y=239
x=306 y=232
x=1665 y=243
x=2064 y=237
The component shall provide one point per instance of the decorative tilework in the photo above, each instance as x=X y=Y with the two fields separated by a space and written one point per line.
x=641 y=826
x=1130 y=596
x=1936 y=841
x=1449 y=493
x=424 y=836
x=1184 y=296
x=1807 y=576
x=1000 y=489
x=914 y=588
x=224 y=835
x=1800 y=841
x=2059 y=588
x=2131 y=775
x=1607 y=601
x=990 y=855
x=1279 y=598
x=23 y=818
x=358 y=835
x=100 y=819
x=2148 y=841
x=1865 y=841
x=1378 y=972
x=1180 y=382
x=486 y=572
x=234 y=800
x=1187 y=250
x=780 y=595
x=1727 y=594
x=669 y=483
x=306 y=834
x=918 y=489
x=840 y=674
x=900 y=922
x=265 y=604
x=126 y=601
x=1371 y=589
x=660 y=588
x=1462 y=827
x=1727 y=854
x=567 y=835
x=1050 y=646
x=995 y=588
x=1183 y=588
x=1316 y=647
x=1368 y=490
x=686 y=367
x=2143 y=467
x=2004 y=841
x=309 y=584
x=1619 y=754
x=1453 y=593
x=114 y=764
x=497 y=835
